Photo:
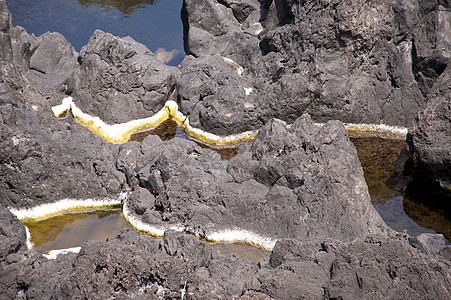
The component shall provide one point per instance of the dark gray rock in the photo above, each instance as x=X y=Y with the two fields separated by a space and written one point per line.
x=428 y=243
x=12 y=234
x=119 y=79
x=5 y=27
x=208 y=26
x=297 y=182
x=213 y=94
x=37 y=166
x=429 y=137
x=301 y=182
x=181 y=266
x=375 y=267
x=33 y=69
x=358 y=62
x=52 y=60
x=47 y=60
x=177 y=264
x=27 y=274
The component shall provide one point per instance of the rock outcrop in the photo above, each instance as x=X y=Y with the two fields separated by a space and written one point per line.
x=429 y=137
x=301 y=182
x=364 y=62
x=300 y=185
x=119 y=79
x=181 y=266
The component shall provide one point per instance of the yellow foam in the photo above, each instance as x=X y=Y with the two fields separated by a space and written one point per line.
x=48 y=210
x=121 y=133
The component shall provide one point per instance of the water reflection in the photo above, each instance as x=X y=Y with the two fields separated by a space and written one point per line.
x=73 y=229
x=169 y=130
x=429 y=206
x=245 y=251
x=128 y=7
x=379 y=157
x=156 y=24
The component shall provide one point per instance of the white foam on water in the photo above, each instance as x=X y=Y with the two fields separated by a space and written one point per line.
x=228 y=235
x=218 y=140
x=241 y=235
x=47 y=210
x=28 y=235
x=395 y=131
x=53 y=254
x=145 y=227
x=400 y=132
x=120 y=133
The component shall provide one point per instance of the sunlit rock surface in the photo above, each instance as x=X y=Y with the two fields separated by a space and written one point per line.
x=119 y=79
x=360 y=62
x=301 y=185
x=302 y=182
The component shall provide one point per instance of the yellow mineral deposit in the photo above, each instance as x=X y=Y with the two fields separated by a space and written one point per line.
x=121 y=133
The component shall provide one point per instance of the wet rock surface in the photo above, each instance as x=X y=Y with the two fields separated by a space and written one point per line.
x=302 y=185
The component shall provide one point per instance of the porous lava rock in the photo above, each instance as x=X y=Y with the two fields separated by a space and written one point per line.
x=298 y=182
x=135 y=266
x=214 y=96
x=12 y=234
x=119 y=79
x=360 y=62
x=301 y=184
x=38 y=166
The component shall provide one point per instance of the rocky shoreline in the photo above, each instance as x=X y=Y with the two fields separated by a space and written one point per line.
x=297 y=189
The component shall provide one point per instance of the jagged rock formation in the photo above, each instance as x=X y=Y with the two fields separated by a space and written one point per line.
x=430 y=134
x=119 y=79
x=302 y=185
x=361 y=62
x=303 y=182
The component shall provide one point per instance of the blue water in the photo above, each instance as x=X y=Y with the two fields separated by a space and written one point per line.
x=156 y=24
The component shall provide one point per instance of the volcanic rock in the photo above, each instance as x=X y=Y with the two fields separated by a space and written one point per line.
x=364 y=62
x=429 y=136
x=119 y=79
x=38 y=166
x=298 y=182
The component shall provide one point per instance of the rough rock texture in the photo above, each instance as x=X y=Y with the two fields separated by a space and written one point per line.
x=182 y=266
x=428 y=243
x=12 y=234
x=213 y=95
x=42 y=159
x=119 y=79
x=37 y=166
x=371 y=268
x=362 y=62
x=429 y=137
x=301 y=182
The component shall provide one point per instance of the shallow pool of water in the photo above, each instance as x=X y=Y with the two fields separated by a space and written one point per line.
x=154 y=23
x=245 y=251
x=73 y=229
x=416 y=206
x=401 y=208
